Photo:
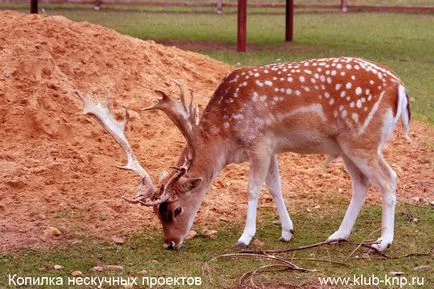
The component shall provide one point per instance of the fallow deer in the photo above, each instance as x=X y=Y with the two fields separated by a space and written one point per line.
x=341 y=107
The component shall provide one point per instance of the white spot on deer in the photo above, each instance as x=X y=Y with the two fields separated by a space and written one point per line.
x=339 y=66
x=338 y=86
x=341 y=107
x=371 y=82
x=348 y=85
x=259 y=83
x=288 y=91
x=276 y=89
x=322 y=78
x=326 y=94
x=316 y=75
x=274 y=78
x=343 y=73
x=348 y=98
x=226 y=124
x=269 y=83
x=306 y=88
x=343 y=92
x=367 y=91
x=335 y=113
x=289 y=79
x=282 y=90
x=276 y=98
x=319 y=69
x=333 y=72
x=358 y=90
x=235 y=95
x=329 y=80
x=355 y=117
x=344 y=114
x=297 y=92
x=359 y=103
x=255 y=96
x=256 y=74
x=356 y=67
x=348 y=66
x=238 y=116
x=331 y=101
x=352 y=104
x=312 y=80
x=308 y=71
x=263 y=98
x=301 y=78
x=244 y=83
x=363 y=99
x=265 y=70
x=369 y=97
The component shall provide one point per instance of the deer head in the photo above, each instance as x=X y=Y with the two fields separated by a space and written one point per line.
x=172 y=201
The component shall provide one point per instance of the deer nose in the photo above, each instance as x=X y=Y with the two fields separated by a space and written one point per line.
x=170 y=245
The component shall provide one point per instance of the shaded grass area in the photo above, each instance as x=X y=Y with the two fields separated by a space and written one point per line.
x=404 y=42
x=143 y=251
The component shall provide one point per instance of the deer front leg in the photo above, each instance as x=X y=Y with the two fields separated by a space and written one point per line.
x=274 y=186
x=259 y=166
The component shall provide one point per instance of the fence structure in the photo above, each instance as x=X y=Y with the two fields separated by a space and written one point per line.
x=241 y=6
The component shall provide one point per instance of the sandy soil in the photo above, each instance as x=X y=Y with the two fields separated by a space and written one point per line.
x=57 y=165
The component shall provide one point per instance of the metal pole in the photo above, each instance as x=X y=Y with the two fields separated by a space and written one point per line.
x=34 y=6
x=344 y=5
x=219 y=7
x=242 y=26
x=289 y=20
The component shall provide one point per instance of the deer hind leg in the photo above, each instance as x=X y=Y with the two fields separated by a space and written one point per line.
x=273 y=184
x=360 y=186
x=259 y=166
x=382 y=175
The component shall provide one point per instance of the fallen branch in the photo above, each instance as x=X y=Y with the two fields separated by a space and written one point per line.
x=361 y=244
x=289 y=249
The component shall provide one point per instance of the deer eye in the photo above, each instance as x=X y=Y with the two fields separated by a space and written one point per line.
x=178 y=211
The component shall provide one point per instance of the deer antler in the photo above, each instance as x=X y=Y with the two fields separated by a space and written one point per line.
x=185 y=116
x=116 y=128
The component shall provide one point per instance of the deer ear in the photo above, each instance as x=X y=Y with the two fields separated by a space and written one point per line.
x=193 y=183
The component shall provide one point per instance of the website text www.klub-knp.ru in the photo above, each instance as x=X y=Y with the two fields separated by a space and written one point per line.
x=373 y=280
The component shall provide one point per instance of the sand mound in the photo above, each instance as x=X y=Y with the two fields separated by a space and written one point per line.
x=57 y=166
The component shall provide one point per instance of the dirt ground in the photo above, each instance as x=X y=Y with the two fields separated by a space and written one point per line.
x=57 y=166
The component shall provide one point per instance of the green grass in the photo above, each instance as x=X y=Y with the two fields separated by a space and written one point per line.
x=143 y=251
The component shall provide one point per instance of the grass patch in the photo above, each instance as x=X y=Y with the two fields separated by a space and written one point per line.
x=143 y=251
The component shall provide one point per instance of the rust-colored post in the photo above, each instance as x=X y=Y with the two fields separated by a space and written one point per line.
x=242 y=26
x=344 y=5
x=34 y=6
x=97 y=5
x=219 y=7
x=289 y=20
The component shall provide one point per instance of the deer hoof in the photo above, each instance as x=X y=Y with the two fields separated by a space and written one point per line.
x=240 y=245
